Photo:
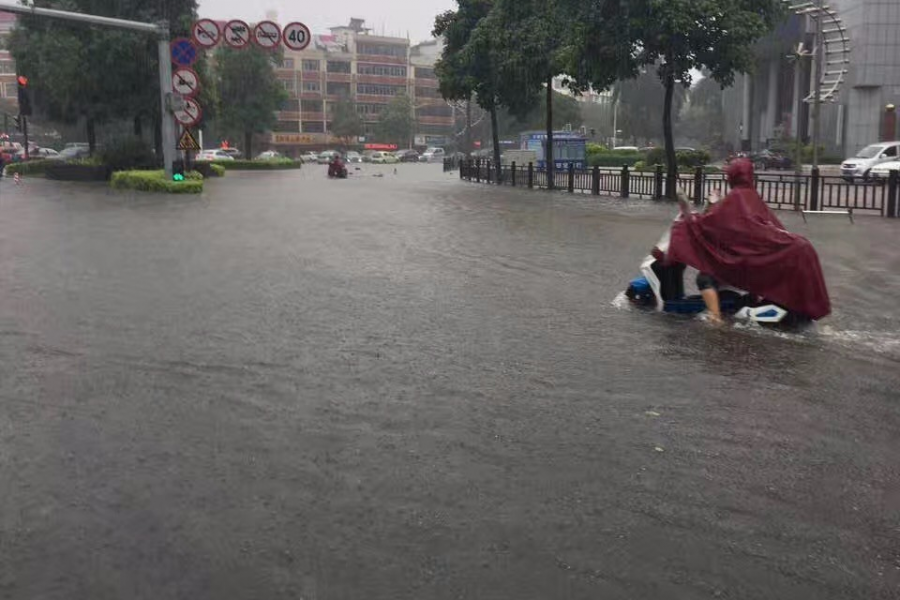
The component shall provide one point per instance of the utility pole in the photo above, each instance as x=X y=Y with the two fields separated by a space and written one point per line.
x=817 y=81
x=165 y=60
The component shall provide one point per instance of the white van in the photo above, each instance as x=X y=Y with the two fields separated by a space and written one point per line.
x=860 y=165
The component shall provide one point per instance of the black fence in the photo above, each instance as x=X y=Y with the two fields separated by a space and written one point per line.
x=814 y=192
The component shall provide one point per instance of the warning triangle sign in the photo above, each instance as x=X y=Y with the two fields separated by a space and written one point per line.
x=187 y=141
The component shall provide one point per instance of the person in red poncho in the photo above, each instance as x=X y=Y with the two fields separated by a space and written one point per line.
x=740 y=242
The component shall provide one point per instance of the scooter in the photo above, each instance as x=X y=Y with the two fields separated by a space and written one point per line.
x=661 y=287
x=337 y=171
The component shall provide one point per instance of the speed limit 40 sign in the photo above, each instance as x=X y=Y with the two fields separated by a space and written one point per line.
x=296 y=36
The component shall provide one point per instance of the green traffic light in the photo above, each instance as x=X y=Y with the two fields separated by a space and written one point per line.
x=178 y=177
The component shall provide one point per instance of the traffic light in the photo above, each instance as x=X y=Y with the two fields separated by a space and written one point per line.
x=178 y=170
x=24 y=96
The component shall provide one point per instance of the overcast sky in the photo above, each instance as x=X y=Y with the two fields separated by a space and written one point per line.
x=395 y=17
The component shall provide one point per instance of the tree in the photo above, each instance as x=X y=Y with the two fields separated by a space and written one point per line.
x=397 y=122
x=682 y=35
x=249 y=90
x=345 y=122
x=567 y=111
x=528 y=39
x=703 y=119
x=467 y=66
x=94 y=73
x=640 y=102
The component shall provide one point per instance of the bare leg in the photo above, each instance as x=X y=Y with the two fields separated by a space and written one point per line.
x=711 y=298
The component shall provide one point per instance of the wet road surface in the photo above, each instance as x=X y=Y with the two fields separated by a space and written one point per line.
x=412 y=387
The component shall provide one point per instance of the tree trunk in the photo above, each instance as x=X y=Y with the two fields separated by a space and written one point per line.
x=91 y=135
x=548 y=154
x=495 y=134
x=671 y=162
x=138 y=127
x=469 y=127
x=248 y=141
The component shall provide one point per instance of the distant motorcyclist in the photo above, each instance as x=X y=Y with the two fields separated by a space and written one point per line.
x=337 y=168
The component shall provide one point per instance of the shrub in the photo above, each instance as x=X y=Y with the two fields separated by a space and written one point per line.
x=156 y=181
x=32 y=167
x=614 y=158
x=127 y=153
x=208 y=169
x=687 y=159
x=259 y=165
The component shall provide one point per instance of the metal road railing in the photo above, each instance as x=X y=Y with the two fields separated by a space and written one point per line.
x=814 y=192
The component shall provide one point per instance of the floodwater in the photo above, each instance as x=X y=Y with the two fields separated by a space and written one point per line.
x=410 y=387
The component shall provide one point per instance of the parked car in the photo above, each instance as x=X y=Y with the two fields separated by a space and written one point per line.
x=766 y=160
x=309 y=158
x=269 y=155
x=869 y=157
x=233 y=152
x=382 y=158
x=326 y=157
x=44 y=153
x=73 y=152
x=626 y=149
x=407 y=155
x=215 y=154
x=367 y=156
x=354 y=157
x=883 y=171
x=432 y=155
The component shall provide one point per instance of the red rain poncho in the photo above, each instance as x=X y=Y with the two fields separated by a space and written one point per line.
x=741 y=243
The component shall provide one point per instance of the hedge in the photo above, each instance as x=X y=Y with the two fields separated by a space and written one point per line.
x=685 y=158
x=31 y=167
x=208 y=169
x=259 y=165
x=156 y=181
x=614 y=158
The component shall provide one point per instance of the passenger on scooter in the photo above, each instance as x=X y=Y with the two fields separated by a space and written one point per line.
x=336 y=166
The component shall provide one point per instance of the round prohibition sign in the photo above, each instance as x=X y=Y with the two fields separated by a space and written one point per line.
x=185 y=82
x=206 y=34
x=267 y=35
x=190 y=114
x=237 y=34
x=296 y=36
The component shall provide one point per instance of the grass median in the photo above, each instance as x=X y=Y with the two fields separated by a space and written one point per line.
x=156 y=181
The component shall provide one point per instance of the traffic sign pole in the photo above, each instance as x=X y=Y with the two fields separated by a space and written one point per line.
x=168 y=122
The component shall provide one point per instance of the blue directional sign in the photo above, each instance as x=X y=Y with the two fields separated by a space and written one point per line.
x=183 y=52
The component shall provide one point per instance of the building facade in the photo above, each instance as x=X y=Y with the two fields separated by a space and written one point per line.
x=371 y=70
x=762 y=107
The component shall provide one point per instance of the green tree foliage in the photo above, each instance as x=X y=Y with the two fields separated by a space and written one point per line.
x=682 y=35
x=529 y=44
x=345 y=122
x=703 y=118
x=250 y=92
x=640 y=103
x=566 y=111
x=397 y=122
x=96 y=73
x=467 y=66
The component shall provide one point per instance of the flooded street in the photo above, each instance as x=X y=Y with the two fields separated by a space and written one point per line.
x=411 y=387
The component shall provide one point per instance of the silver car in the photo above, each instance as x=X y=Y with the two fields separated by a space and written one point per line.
x=860 y=166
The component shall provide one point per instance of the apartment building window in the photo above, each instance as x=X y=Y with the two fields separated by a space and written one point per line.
x=380 y=90
x=433 y=129
x=370 y=109
x=313 y=127
x=287 y=84
x=287 y=63
x=381 y=70
x=10 y=90
x=311 y=106
x=381 y=50
x=287 y=126
x=7 y=67
x=438 y=110
x=310 y=64
x=426 y=92
x=335 y=88
x=425 y=73
x=338 y=66
x=312 y=86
